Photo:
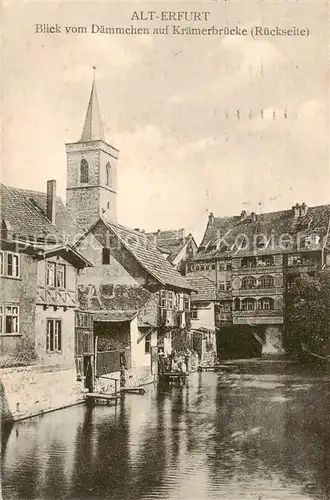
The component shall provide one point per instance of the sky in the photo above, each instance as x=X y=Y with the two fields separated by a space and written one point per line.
x=170 y=105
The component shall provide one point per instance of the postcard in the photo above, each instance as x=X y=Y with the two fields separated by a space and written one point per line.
x=165 y=250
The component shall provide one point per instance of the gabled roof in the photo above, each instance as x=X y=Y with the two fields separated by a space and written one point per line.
x=146 y=254
x=171 y=241
x=68 y=253
x=224 y=234
x=204 y=287
x=139 y=245
x=25 y=210
x=93 y=127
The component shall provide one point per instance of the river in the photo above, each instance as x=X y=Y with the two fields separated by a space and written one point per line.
x=267 y=437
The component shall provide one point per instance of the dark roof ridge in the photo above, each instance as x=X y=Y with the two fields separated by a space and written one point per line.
x=133 y=231
x=273 y=212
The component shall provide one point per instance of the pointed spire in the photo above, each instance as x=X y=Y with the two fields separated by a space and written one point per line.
x=93 y=128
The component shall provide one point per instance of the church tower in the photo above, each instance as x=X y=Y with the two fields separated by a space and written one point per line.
x=92 y=170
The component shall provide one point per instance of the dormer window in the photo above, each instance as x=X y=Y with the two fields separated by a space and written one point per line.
x=84 y=171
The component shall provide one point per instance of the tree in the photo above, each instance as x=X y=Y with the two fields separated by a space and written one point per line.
x=308 y=314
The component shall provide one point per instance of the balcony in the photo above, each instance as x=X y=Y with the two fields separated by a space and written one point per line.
x=258 y=317
x=302 y=268
x=244 y=271
x=257 y=292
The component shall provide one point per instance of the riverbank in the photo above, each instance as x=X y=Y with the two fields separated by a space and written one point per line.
x=265 y=437
x=27 y=391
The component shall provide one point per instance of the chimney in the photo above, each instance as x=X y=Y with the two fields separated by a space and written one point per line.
x=296 y=210
x=253 y=217
x=211 y=219
x=243 y=215
x=303 y=209
x=51 y=200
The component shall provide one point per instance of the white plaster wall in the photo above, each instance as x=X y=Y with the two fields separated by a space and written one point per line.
x=139 y=357
x=205 y=316
x=66 y=356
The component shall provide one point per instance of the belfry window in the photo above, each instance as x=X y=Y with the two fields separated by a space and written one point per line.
x=108 y=174
x=84 y=170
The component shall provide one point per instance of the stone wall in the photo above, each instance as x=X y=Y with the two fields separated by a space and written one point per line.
x=32 y=390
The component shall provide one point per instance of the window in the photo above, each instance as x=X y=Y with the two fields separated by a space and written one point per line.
x=2 y=266
x=222 y=265
x=163 y=299
x=1 y=319
x=180 y=302
x=83 y=320
x=249 y=282
x=13 y=264
x=60 y=275
x=225 y=306
x=105 y=255
x=312 y=240
x=55 y=274
x=237 y=304
x=228 y=285
x=186 y=303
x=50 y=273
x=213 y=265
x=294 y=260
x=194 y=312
x=84 y=170
x=11 y=319
x=248 y=262
x=266 y=304
x=207 y=267
x=108 y=179
x=265 y=261
x=54 y=335
x=248 y=304
x=170 y=300
x=266 y=282
x=202 y=267
x=197 y=267
x=147 y=342
x=221 y=285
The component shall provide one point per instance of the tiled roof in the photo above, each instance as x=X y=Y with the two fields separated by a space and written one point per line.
x=144 y=251
x=115 y=316
x=205 y=288
x=25 y=210
x=170 y=241
x=231 y=235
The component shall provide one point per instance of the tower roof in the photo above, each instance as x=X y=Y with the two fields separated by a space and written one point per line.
x=93 y=128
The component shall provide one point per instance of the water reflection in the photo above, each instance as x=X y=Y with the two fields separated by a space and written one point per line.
x=267 y=437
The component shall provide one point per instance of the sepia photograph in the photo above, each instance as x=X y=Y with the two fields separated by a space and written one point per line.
x=165 y=250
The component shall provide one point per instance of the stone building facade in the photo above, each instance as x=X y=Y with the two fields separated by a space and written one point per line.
x=253 y=259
